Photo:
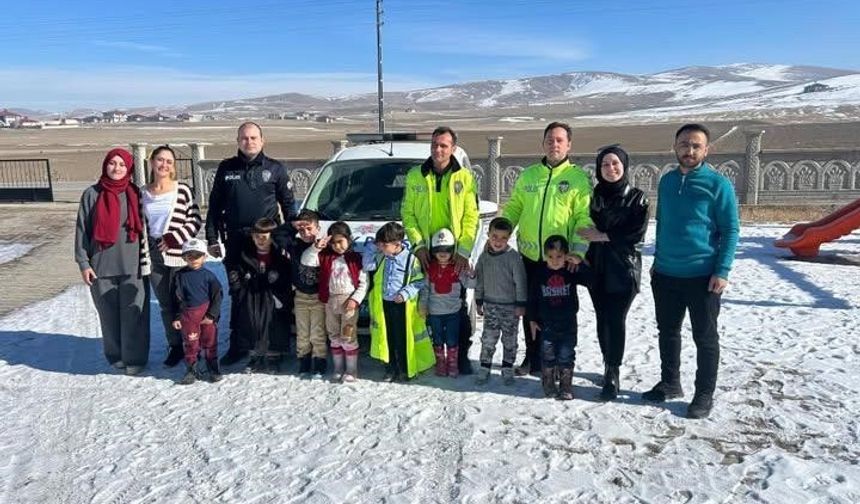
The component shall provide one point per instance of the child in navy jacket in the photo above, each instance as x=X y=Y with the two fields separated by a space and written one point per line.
x=553 y=306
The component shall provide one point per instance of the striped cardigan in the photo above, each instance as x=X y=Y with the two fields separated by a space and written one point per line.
x=183 y=224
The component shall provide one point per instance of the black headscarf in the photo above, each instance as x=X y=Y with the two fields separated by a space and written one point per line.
x=609 y=188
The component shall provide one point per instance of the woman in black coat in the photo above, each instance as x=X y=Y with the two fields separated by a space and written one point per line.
x=620 y=215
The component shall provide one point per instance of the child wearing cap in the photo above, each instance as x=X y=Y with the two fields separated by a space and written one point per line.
x=501 y=292
x=440 y=301
x=197 y=305
x=260 y=284
x=342 y=286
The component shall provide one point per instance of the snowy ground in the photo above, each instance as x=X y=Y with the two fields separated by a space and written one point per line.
x=10 y=251
x=785 y=427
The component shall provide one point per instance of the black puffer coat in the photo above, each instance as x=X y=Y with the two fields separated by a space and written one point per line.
x=623 y=215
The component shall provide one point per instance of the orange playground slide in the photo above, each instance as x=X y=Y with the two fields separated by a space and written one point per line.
x=805 y=238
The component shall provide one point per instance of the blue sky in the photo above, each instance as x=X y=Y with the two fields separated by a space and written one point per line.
x=57 y=55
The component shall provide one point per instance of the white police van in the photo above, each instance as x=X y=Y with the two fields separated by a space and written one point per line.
x=363 y=185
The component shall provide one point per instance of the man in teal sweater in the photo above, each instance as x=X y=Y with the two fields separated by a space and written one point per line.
x=697 y=232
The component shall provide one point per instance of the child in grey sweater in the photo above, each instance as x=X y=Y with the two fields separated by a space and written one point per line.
x=501 y=292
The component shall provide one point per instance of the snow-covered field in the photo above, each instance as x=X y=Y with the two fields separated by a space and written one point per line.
x=10 y=251
x=784 y=429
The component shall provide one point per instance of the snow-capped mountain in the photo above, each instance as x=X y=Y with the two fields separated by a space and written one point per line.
x=732 y=89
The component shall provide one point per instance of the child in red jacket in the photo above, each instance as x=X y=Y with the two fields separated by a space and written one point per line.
x=343 y=285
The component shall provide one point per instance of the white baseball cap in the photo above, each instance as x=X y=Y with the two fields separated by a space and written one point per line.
x=194 y=245
x=443 y=241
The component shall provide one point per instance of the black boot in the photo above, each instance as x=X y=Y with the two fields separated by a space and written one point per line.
x=233 y=356
x=191 y=376
x=663 y=391
x=214 y=371
x=700 y=406
x=256 y=364
x=548 y=381
x=319 y=367
x=565 y=384
x=174 y=356
x=305 y=365
x=610 y=384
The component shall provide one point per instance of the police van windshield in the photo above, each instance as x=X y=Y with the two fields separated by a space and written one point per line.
x=361 y=189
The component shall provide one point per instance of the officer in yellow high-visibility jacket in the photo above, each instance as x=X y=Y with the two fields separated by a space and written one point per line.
x=441 y=194
x=549 y=198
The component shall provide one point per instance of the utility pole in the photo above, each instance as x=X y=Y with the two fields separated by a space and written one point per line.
x=380 y=99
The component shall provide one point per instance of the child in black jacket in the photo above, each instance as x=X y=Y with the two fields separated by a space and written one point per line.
x=260 y=283
x=553 y=305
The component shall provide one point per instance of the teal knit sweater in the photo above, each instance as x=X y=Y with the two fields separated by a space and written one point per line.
x=697 y=224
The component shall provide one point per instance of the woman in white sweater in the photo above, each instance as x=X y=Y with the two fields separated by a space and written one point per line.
x=173 y=218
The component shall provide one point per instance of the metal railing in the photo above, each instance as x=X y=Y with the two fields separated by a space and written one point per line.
x=26 y=180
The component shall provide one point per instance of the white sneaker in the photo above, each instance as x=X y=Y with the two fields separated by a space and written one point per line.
x=348 y=378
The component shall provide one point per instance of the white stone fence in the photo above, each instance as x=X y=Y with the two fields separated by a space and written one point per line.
x=759 y=176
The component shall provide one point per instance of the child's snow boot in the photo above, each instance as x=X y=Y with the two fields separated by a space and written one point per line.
x=441 y=363
x=483 y=375
x=508 y=375
x=337 y=359
x=548 y=381
x=565 y=386
x=190 y=377
x=214 y=370
x=319 y=367
x=351 y=373
x=305 y=365
x=453 y=368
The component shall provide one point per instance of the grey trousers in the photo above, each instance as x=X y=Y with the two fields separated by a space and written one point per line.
x=123 y=306
x=499 y=320
x=161 y=279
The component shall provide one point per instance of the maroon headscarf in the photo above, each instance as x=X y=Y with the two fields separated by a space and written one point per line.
x=107 y=211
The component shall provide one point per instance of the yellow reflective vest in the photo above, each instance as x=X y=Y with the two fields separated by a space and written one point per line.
x=419 y=347
x=550 y=201
x=419 y=205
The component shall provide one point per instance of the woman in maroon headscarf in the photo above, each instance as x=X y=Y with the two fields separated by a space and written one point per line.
x=112 y=252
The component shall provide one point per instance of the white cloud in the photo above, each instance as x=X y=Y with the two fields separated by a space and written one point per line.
x=63 y=89
x=136 y=46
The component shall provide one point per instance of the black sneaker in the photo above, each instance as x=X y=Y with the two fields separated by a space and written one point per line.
x=233 y=356
x=190 y=377
x=254 y=364
x=663 y=391
x=320 y=365
x=273 y=364
x=214 y=371
x=700 y=406
x=174 y=356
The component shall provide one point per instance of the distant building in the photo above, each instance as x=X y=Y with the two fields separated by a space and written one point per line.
x=9 y=118
x=92 y=119
x=411 y=111
x=30 y=123
x=136 y=118
x=325 y=119
x=816 y=87
x=186 y=117
x=279 y=116
x=114 y=116
x=305 y=116
x=62 y=123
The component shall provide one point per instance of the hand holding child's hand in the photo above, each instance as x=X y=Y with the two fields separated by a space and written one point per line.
x=399 y=299
x=206 y=321
x=350 y=306
x=572 y=261
x=520 y=312
x=535 y=327
x=177 y=325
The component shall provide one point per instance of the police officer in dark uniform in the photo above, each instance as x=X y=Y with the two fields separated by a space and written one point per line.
x=247 y=187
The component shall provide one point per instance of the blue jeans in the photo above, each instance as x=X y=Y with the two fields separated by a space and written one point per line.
x=445 y=329
x=558 y=347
